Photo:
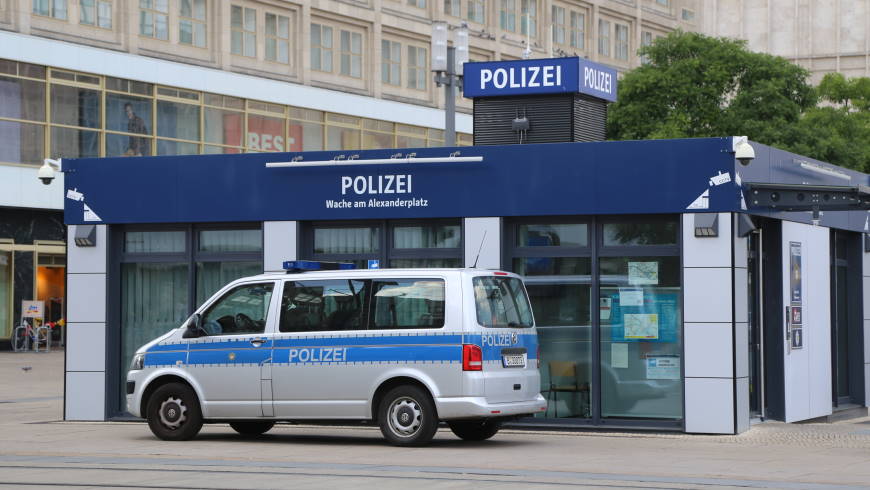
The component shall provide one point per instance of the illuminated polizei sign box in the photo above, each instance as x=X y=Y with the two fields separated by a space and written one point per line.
x=539 y=76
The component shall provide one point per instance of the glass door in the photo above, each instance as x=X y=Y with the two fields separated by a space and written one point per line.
x=756 y=337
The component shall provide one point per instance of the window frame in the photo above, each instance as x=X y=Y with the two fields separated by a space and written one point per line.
x=155 y=13
x=52 y=11
x=194 y=21
x=243 y=32
x=96 y=14
x=277 y=38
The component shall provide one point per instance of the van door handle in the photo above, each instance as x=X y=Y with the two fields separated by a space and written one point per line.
x=258 y=342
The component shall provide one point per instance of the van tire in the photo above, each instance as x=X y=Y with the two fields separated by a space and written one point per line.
x=252 y=427
x=173 y=412
x=407 y=416
x=475 y=430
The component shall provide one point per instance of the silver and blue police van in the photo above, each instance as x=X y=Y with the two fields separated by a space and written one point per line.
x=403 y=348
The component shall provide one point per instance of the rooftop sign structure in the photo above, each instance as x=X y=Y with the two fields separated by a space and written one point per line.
x=540 y=76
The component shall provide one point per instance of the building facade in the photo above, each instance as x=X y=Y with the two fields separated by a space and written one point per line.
x=823 y=36
x=658 y=279
x=103 y=78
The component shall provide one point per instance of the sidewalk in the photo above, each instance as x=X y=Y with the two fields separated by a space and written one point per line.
x=770 y=455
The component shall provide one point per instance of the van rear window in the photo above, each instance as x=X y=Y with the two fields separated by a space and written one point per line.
x=501 y=302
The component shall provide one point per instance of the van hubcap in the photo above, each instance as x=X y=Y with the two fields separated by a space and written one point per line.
x=172 y=413
x=405 y=416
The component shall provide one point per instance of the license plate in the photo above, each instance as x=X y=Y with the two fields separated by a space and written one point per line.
x=513 y=360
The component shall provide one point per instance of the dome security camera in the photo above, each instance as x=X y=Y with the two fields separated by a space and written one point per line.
x=47 y=170
x=743 y=152
x=45 y=173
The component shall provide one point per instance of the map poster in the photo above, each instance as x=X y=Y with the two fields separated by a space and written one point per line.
x=641 y=326
x=663 y=367
x=795 y=272
x=643 y=273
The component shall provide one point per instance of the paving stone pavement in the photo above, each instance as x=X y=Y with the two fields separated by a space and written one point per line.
x=39 y=450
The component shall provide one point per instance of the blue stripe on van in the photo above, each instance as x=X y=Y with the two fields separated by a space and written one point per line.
x=164 y=358
x=340 y=349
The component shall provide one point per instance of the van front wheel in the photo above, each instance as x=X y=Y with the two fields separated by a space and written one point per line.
x=173 y=412
x=475 y=430
x=407 y=416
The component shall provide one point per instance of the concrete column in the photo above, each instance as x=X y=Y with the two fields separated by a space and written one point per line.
x=85 y=370
x=716 y=379
x=280 y=243
x=483 y=234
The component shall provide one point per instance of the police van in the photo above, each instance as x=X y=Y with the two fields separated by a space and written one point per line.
x=403 y=348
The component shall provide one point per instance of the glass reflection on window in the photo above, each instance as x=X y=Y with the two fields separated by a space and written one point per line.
x=639 y=308
x=552 y=235
x=641 y=233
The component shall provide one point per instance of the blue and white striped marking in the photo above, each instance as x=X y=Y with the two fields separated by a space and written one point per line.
x=398 y=348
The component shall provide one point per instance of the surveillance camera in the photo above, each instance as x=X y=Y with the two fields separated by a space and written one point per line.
x=744 y=153
x=45 y=173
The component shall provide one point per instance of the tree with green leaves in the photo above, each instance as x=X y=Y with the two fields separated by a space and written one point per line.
x=698 y=86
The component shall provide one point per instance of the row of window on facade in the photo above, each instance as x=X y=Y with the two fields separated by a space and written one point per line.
x=568 y=30
x=606 y=289
x=49 y=112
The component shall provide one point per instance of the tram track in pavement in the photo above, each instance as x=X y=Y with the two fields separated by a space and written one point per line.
x=217 y=474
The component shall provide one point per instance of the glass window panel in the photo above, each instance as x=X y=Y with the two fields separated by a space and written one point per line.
x=338 y=138
x=357 y=240
x=75 y=106
x=230 y=241
x=641 y=342
x=87 y=9
x=153 y=301
x=265 y=133
x=373 y=140
x=641 y=233
x=212 y=276
x=305 y=136
x=425 y=263
x=22 y=142
x=308 y=306
x=243 y=310
x=426 y=236
x=553 y=235
x=104 y=15
x=223 y=127
x=550 y=266
x=219 y=150
x=154 y=241
x=122 y=145
x=74 y=143
x=250 y=44
x=166 y=147
x=407 y=303
x=129 y=114
x=185 y=32
x=176 y=120
x=409 y=142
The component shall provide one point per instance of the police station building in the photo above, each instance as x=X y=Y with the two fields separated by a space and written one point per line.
x=674 y=286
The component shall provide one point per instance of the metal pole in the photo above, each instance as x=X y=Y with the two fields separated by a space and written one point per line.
x=450 y=99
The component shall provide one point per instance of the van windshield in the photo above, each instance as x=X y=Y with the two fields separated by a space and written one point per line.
x=501 y=302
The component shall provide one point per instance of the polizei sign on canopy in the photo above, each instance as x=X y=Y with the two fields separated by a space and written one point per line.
x=540 y=76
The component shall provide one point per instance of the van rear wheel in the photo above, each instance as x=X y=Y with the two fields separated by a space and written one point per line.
x=173 y=412
x=252 y=427
x=475 y=430
x=407 y=416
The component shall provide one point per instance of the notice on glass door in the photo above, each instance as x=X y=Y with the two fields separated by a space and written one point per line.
x=619 y=355
x=663 y=367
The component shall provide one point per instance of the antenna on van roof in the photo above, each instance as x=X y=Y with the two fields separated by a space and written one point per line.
x=479 y=249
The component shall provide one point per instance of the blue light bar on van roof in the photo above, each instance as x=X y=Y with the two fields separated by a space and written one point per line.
x=313 y=265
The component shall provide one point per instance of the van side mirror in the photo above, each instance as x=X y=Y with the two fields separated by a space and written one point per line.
x=194 y=327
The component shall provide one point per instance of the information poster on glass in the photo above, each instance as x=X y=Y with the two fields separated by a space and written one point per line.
x=663 y=367
x=654 y=319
